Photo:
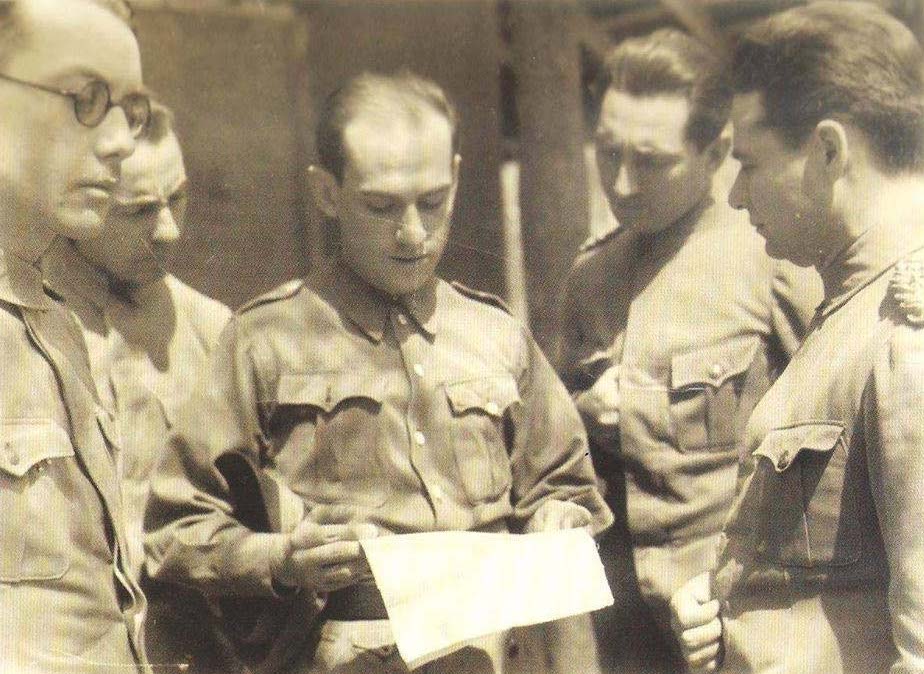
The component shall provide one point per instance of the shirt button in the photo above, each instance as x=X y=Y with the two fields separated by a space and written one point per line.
x=14 y=458
x=402 y=319
x=717 y=370
x=420 y=438
x=784 y=459
x=418 y=369
x=436 y=493
x=492 y=408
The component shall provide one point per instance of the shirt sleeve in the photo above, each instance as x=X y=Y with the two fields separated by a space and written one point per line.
x=893 y=408
x=192 y=534
x=549 y=458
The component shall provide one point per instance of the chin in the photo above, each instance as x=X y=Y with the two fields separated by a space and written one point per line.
x=80 y=224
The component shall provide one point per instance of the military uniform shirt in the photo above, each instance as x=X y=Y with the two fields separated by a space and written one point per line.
x=823 y=570
x=699 y=319
x=435 y=413
x=145 y=356
x=68 y=602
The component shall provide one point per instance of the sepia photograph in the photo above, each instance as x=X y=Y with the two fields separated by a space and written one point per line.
x=461 y=336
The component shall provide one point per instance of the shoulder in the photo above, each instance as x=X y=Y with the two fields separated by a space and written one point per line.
x=279 y=295
x=595 y=241
x=904 y=299
x=208 y=316
x=481 y=296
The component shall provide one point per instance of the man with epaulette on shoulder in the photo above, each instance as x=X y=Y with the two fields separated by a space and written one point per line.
x=822 y=563
x=383 y=399
x=673 y=326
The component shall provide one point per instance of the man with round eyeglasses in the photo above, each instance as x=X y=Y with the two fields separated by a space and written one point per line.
x=70 y=86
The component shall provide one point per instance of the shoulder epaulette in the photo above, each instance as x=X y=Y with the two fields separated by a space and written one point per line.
x=906 y=288
x=286 y=290
x=598 y=239
x=482 y=296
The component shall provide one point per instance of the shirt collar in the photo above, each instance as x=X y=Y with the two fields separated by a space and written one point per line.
x=368 y=307
x=68 y=274
x=670 y=239
x=866 y=259
x=21 y=283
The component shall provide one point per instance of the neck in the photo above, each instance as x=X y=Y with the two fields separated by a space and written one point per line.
x=876 y=201
x=25 y=237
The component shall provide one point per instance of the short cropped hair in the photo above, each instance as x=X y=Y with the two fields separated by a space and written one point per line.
x=406 y=92
x=11 y=36
x=669 y=61
x=842 y=60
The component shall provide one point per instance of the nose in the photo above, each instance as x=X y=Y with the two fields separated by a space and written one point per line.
x=412 y=232
x=626 y=182
x=166 y=229
x=736 y=195
x=114 y=141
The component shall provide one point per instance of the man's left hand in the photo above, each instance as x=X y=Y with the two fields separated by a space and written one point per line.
x=558 y=515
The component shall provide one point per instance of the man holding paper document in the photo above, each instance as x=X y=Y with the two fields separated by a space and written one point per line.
x=383 y=400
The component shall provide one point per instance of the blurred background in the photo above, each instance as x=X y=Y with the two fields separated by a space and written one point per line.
x=245 y=77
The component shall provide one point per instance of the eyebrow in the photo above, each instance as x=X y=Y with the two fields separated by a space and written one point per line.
x=393 y=195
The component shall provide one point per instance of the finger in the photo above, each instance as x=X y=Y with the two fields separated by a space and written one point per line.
x=690 y=613
x=337 y=578
x=331 y=514
x=703 y=656
x=335 y=553
x=704 y=635
x=361 y=532
x=575 y=518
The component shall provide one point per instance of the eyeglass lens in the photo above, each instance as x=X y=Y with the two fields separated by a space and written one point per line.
x=93 y=101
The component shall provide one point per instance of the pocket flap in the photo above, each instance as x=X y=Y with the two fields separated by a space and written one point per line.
x=712 y=365
x=326 y=390
x=782 y=445
x=492 y=394
x=24 y=444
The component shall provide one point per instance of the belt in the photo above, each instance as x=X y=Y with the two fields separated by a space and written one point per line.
x=357 y=602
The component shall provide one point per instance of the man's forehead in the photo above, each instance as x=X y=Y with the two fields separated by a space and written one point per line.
x=377 y=143
x=152 y=170
x=74 y=37
x=657 y=120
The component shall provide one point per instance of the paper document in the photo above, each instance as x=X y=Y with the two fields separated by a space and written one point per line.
x=444 y=589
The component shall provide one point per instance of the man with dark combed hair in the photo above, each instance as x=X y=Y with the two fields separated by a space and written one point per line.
x=70 y=80
x=665 y=352
x=382 y=399
x=821 y=568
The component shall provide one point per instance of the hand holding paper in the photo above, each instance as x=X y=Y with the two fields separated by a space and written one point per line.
x=444 y=589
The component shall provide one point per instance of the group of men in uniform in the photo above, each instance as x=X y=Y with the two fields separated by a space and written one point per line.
x=752 y=394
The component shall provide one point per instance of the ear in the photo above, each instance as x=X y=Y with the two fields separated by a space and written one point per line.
x=325 y=190
x=829 y=151
x=717 y=150
x=456 y=163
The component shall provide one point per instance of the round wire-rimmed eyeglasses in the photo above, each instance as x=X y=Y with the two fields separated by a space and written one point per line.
x=93 y=101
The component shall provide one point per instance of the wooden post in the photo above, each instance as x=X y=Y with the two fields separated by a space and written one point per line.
x=553 y=192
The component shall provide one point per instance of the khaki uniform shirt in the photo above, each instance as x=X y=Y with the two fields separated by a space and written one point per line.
x=699 y=320
x=824 y=565
x=145 y=357
x=438 y=413
x=68 y=602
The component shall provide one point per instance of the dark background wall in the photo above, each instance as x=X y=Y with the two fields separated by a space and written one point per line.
x=245 y=84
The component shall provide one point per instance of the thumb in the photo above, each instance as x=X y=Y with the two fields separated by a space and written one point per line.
x=331 y=514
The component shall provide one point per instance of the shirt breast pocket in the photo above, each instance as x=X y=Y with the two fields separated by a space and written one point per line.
x=34 y=500
x=811 y=503
x=479 y=407
x=705 y=391
x=332 y=436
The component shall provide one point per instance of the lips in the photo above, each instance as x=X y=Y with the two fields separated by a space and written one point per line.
x=409 y=260
x=106 y=185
